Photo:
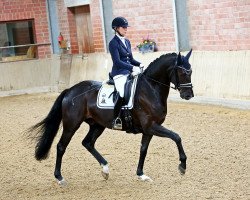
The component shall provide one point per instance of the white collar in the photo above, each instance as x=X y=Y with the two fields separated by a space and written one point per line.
x=122 y=38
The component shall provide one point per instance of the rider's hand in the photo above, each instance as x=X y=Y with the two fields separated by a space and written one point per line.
x=135 y=73
x=136 y=69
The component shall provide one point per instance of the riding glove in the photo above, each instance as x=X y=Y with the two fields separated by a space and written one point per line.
x=136 y=70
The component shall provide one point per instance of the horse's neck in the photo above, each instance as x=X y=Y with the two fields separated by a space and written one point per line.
x=160 y=89
x=160 y=74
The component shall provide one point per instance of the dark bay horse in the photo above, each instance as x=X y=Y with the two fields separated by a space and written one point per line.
x=78 y=104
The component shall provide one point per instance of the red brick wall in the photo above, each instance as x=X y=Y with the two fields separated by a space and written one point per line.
x=152 y=18
x=213 y=25
x=67 y=25
x=29 y=9
x=219 y=25
x=97 y=26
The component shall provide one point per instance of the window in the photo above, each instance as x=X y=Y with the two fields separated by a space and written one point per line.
x=16 y=39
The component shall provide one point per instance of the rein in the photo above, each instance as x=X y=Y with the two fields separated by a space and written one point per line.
x=159 y=82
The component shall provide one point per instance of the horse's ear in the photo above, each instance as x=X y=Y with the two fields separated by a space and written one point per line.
x=179 y=60
x=189 y=54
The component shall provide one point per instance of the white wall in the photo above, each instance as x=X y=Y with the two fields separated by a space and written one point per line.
x=29 y=76
x=217 y=74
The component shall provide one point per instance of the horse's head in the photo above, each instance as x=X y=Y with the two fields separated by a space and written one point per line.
x=181 y=77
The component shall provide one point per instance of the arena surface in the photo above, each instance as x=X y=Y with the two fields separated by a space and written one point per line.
x=216 y=141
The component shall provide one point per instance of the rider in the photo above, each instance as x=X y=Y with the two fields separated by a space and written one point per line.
x=123 y=64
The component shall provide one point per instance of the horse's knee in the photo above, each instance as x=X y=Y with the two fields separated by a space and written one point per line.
x=60 y=149
x=144 y=148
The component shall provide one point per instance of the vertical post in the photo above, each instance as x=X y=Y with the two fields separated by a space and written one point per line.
x=181 y=25
x=103 y=26
x=53 y=24
x=107 y=20
x=175 y=27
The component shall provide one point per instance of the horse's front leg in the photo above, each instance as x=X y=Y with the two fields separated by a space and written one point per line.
x=143 y=152
x=160 y=131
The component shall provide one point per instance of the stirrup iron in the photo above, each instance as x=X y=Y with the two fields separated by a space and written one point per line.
x=117 y=124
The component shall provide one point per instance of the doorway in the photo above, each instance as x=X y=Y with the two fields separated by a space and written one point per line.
x=84 y=29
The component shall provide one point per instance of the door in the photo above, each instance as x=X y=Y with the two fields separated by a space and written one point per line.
x=84 y=29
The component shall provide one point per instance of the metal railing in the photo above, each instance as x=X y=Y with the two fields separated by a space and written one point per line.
x=25 y=45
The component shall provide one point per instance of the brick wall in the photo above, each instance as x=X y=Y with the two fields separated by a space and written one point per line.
x=97 y=26
x=67 y=25
x=152 y=18
x=219 y=25
x=213 y=25
x=30 y=9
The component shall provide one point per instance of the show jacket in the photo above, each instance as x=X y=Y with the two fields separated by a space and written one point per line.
x=122 y=57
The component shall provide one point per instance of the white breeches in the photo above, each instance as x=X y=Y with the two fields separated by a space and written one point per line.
x=120 y=81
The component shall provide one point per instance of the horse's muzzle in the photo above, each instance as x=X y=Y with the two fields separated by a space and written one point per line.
x=186 y=94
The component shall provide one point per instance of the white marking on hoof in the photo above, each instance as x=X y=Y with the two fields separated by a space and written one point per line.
x=105 y=171
x=62 y=182
x=145 y=178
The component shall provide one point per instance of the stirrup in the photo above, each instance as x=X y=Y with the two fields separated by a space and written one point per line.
x=117 y=124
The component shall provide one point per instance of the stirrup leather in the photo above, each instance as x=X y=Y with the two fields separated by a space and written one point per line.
x=117 y=124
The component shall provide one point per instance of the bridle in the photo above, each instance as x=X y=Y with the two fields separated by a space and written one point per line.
x=178 y=85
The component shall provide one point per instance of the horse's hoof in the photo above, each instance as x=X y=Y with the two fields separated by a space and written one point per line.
x=145 y=178
x=105 y=175
x=105 y=171
x=62 y=182
x=181 y=170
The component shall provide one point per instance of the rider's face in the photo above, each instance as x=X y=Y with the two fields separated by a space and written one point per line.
x=122 y=30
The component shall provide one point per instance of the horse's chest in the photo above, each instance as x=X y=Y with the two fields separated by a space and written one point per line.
x=158 y=113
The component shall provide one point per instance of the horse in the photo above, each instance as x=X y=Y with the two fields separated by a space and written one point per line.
x=78 y=104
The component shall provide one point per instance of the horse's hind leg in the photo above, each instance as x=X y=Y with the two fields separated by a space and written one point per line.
x=89 y=143
x=61 y=147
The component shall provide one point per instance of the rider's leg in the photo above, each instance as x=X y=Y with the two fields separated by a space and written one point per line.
x=120 y=81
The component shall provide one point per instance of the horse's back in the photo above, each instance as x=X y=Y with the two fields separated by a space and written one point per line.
x=81 y=92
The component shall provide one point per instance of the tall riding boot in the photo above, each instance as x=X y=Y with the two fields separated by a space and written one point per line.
x=117 y=122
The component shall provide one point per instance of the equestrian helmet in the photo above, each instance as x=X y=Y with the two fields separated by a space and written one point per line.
x=119 y=22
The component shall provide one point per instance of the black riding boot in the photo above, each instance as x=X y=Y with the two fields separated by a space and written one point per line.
x=117 y=122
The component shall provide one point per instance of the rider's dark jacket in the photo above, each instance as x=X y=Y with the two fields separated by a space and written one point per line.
x=122 y=57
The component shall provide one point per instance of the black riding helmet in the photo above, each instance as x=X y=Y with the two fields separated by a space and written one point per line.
x=119 y=22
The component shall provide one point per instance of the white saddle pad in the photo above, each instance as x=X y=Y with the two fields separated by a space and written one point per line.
x=105 y=99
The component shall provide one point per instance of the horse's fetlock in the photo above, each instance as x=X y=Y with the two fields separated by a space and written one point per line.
x=183 y=158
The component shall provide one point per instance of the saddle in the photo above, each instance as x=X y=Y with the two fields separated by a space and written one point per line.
x=107 y=95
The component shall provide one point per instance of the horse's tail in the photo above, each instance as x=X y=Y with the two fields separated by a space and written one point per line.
x=47 y=129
